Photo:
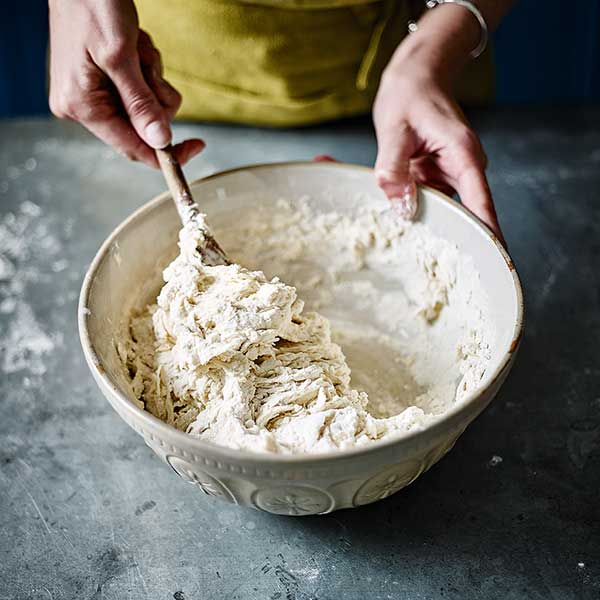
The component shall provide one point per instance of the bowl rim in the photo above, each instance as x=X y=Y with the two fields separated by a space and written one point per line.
x=273 y=459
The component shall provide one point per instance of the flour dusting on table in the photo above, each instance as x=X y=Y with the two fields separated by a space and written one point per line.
x=231 y=354
x=27 y=239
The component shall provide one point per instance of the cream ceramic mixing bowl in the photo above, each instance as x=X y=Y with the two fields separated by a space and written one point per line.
x=127 y=268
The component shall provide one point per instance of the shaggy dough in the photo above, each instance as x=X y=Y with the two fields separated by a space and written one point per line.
x=231 y=356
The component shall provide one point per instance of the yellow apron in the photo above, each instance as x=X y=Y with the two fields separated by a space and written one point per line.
x=282 y=62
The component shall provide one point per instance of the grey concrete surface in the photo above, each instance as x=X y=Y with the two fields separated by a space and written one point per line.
x=87 y=511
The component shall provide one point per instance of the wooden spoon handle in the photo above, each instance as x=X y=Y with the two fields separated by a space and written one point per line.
x=211 y=252
x=180 y=190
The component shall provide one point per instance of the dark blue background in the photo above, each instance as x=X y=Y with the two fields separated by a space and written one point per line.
x=547 y=52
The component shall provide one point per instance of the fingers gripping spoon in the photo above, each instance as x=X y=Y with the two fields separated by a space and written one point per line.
x=212 y=254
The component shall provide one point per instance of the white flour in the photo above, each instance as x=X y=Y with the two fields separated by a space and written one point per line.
x=231 y=355
x=25 y=237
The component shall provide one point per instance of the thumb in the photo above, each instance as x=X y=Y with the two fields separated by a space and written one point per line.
x=396 y=146
x=145 y=112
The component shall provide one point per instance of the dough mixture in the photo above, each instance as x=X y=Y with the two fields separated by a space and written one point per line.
x=233 y=356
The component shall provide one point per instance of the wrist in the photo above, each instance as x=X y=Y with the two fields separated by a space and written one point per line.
x=442 y=44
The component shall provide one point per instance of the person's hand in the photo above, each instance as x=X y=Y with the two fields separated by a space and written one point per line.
x=106 y=74
x=423 y=136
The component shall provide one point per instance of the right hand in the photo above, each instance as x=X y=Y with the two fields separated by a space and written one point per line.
x=106 y=74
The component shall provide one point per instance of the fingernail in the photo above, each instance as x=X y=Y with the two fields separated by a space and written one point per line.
x=405 y=204
x=157 y=135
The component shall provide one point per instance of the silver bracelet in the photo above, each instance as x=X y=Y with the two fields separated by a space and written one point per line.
x=483 y=39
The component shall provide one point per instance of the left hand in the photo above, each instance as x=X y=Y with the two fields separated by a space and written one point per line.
x=423 y=136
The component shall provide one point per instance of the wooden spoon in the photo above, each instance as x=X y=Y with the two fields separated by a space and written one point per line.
x=212 y=254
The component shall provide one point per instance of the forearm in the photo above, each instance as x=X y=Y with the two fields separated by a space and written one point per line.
x=446 y=36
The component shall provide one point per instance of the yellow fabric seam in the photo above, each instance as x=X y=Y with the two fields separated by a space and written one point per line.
x=368 y=61
x=237 y=93
x=307 y=5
